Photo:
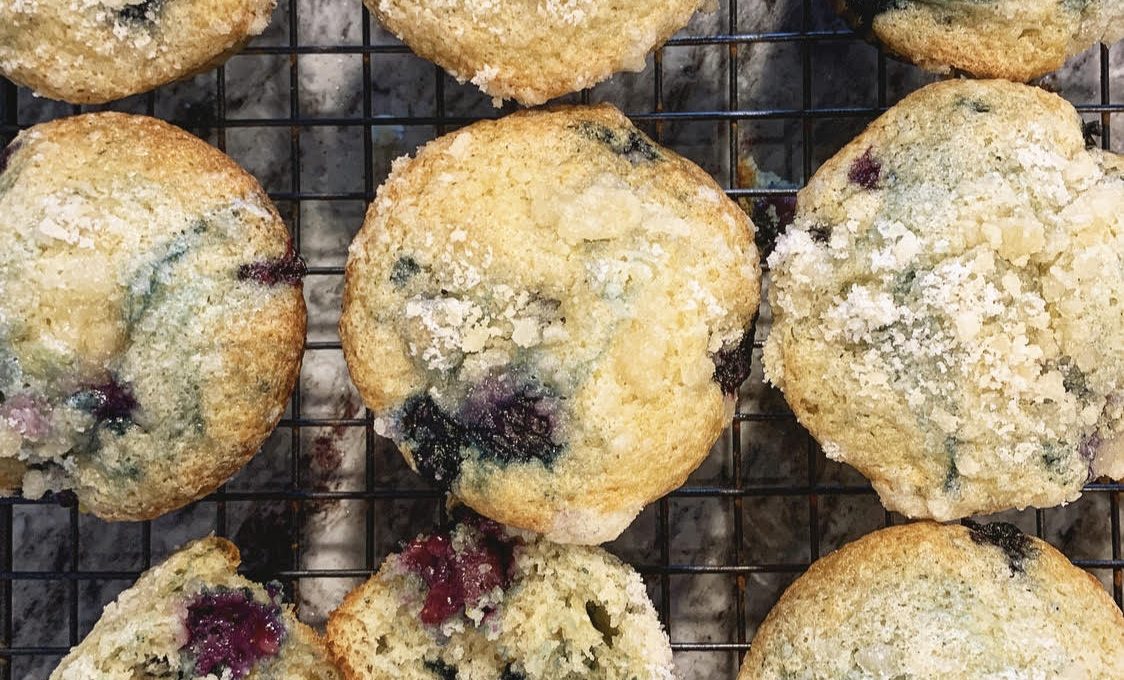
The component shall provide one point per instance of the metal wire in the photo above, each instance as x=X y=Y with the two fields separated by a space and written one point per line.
x=665 y=573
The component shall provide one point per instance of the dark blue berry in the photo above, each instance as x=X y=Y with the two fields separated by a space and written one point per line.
x=1016 y=545
x=1091 y=130
x=732 y=364
x=111 y=403
x=289 y=269
x=436 y=439
x=628 y=143
x=866 y=170
x=227 y=629
x=772 y=215
x=501 y=420
x=511 y=422
x=441 y=669
x=139 y=13
x=404 y=269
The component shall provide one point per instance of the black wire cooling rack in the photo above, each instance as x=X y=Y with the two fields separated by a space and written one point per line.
x=715 y=554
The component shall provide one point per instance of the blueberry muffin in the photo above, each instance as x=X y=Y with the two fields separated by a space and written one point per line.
x=550 y=314
x=100 y=50
x=151 y=316
x=1012 y=39
x=193 y=617
x=932 y=601
x=949 y=303
x=534 y=50
x=481 y=602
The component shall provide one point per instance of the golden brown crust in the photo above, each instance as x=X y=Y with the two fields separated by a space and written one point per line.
x=153 y=184
x=534 y=51
x=1015 y=40
x=91 y=55
x=926 y=586
x=638 y=392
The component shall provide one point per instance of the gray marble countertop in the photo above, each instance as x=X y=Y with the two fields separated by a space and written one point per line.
x=715 y=561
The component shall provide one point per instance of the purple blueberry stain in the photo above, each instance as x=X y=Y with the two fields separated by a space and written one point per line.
x=1087 y=449
x=865 y=170
x=732 y=363
x=503 y=418
x=460 y=574
x=228 y=629
x=1016 y=546
x=111 y=403
x=288 y=269
x=512 y=421
x=28 y=415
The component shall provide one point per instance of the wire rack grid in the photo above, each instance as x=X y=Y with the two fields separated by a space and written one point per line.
x=788 y=84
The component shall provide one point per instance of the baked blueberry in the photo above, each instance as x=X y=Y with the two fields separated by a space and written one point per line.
x=229 y=630
x=478 y=601
x=192 y=617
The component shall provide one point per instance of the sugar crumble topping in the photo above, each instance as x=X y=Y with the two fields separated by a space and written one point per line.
x=977 y=306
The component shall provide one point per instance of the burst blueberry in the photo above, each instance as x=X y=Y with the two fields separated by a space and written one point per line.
x=501 y=419
x=512 y=421
x=1016 y=546
x=436 y=439
x=866 y=170
x=229 y=630
x=288 y=269
x=456 y=576
x=732 y=364
x=631 y=144
x=111 y=403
